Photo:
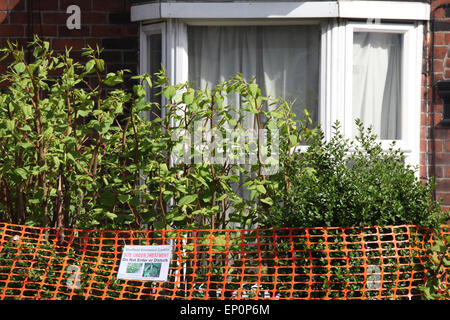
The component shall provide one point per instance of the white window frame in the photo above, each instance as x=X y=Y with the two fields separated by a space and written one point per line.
x=147 y=30
x=180 y=58
x=336 y=48
x=412 y=39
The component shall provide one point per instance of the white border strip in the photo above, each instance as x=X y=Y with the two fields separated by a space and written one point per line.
x=384 y=10
x=301 y=9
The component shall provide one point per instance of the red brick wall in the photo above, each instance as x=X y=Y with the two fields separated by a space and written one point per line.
x=435 y=143
x=103 y=22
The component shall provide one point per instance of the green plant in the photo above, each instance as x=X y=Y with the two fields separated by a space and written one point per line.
x=438 y=268
x=78 y=150
x=346 y=182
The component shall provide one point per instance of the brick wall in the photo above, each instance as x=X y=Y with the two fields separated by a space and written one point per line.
x=435 y=138
x=105 y=23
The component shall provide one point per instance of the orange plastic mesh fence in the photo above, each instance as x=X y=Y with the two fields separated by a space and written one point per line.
x=288 y=263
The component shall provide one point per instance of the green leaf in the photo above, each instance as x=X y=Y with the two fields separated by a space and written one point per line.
x=36 y=51
x=253 y=89
x=187 y=199
x=10 y=125
x=25 y=128
x=20 y=67
x=220 y=241
x=261 y=189
x=139 y=90
x=83 y=113
x=293 y=139
x=169 y=92
x=100 y=64
x=232 y=122
x=56 y=162
x=52 y=192
x=222 y=197
x=179 y=217
x=27 y=111
x=267 y=200
x=90 y=66
x=25 y=145
x=188 y=97
x=123 y=198
x=112 y=79
x=148 y=79
x=271 y=125
x=110 y=215
x=439 y=247
x=163 y=168
x=103 y=127
x=21 y=172
x=446 y=262
x=219 y=98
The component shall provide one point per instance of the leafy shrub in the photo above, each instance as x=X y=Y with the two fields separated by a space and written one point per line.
x=82 y=153
x=352 y=183
x=77 y=154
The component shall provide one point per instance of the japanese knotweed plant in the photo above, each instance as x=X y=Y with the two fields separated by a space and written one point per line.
x=78 y=147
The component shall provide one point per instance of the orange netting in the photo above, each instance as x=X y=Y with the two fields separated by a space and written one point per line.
x=288 y=263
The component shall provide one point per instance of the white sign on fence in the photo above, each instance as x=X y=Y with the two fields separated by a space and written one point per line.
x=149 y=263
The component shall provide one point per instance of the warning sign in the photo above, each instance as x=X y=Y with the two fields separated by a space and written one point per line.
x=149 y=263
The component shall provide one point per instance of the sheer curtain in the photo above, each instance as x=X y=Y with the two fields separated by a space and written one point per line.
x=377 y=82
x=284 y=60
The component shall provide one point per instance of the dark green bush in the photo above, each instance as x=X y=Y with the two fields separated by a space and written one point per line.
x=352 y=183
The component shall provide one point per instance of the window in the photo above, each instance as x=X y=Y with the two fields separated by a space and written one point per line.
x=283 y=59
x=152 y=48
x=382 y=83
x=155 y=58
x=376 y=82
x=327 y=57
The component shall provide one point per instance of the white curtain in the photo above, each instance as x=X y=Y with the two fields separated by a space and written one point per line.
x=284 y=60
x=377 y=82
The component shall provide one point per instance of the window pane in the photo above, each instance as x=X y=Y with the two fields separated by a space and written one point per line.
x=284 y=60
x=155 y=58
x=377 y=82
